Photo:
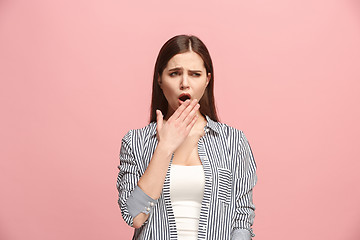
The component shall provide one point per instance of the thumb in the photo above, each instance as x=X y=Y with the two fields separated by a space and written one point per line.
x=159 y=120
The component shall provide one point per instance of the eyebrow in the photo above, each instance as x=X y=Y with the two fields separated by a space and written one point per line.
x=179 y=68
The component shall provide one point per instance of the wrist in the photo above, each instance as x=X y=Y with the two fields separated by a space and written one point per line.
x=164 y=149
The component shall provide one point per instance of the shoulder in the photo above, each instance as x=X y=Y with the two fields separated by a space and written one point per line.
x=228 y=130
x=136 y=133
x=233 y=136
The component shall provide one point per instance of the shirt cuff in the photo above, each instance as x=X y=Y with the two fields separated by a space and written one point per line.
x=240 y=234
x=139 y=202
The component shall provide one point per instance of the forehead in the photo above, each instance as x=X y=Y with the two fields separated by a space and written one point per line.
x=187 y=60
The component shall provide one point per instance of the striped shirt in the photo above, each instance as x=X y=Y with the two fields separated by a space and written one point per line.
x=227 y=208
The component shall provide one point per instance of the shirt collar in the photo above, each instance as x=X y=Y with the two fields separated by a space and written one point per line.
x=211 y=124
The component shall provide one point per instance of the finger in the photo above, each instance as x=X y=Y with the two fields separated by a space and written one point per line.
x=188 y=119
x=180 y=109
x=187 y=110
x=191 y=114
x=159 y=120
x=189 y=127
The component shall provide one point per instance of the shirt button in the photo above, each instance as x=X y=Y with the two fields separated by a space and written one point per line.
x=147 y=209
x=152 y=204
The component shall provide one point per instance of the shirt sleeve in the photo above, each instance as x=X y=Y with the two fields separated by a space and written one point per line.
x=240 y=234
x=132 y=199
x=245 y=180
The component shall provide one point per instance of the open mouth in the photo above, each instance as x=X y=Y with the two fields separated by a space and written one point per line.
x=183 y=97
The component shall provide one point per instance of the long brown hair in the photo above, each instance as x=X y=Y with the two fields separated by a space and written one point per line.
x=176 y=45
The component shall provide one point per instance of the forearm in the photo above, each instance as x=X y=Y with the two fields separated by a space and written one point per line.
x=152 y=181
x=149 y=186
x=139 y=193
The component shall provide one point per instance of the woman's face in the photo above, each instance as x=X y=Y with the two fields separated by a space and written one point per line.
x=184 y=73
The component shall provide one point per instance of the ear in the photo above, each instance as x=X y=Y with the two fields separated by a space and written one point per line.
x=208 y=79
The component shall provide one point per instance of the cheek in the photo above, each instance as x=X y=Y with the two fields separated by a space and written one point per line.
x=201 y=88
x=168 y=91
x=202 y=92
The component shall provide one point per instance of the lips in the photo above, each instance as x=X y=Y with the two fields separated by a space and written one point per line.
x=184 y=96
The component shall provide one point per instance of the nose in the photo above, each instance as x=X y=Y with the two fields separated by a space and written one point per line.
x=184 y=82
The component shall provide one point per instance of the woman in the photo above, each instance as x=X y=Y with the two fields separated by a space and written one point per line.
x=185 y=175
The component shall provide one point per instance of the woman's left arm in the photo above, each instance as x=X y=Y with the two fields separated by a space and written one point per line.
x=245 y=180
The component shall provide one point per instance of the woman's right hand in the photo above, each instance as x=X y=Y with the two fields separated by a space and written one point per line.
x=178 y=126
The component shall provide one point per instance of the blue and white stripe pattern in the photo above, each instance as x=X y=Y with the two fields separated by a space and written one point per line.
x=230 y=174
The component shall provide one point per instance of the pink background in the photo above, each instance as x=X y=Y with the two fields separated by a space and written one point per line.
x=76 y=76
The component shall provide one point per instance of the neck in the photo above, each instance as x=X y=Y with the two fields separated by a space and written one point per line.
x=200 y=122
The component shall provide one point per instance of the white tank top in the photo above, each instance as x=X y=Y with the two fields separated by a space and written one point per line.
x=186 y=194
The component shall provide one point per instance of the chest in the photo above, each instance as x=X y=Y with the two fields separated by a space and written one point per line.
x=187 y=153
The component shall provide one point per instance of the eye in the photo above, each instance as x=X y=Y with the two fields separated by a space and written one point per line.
x=196 y=74
x=173 y=74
